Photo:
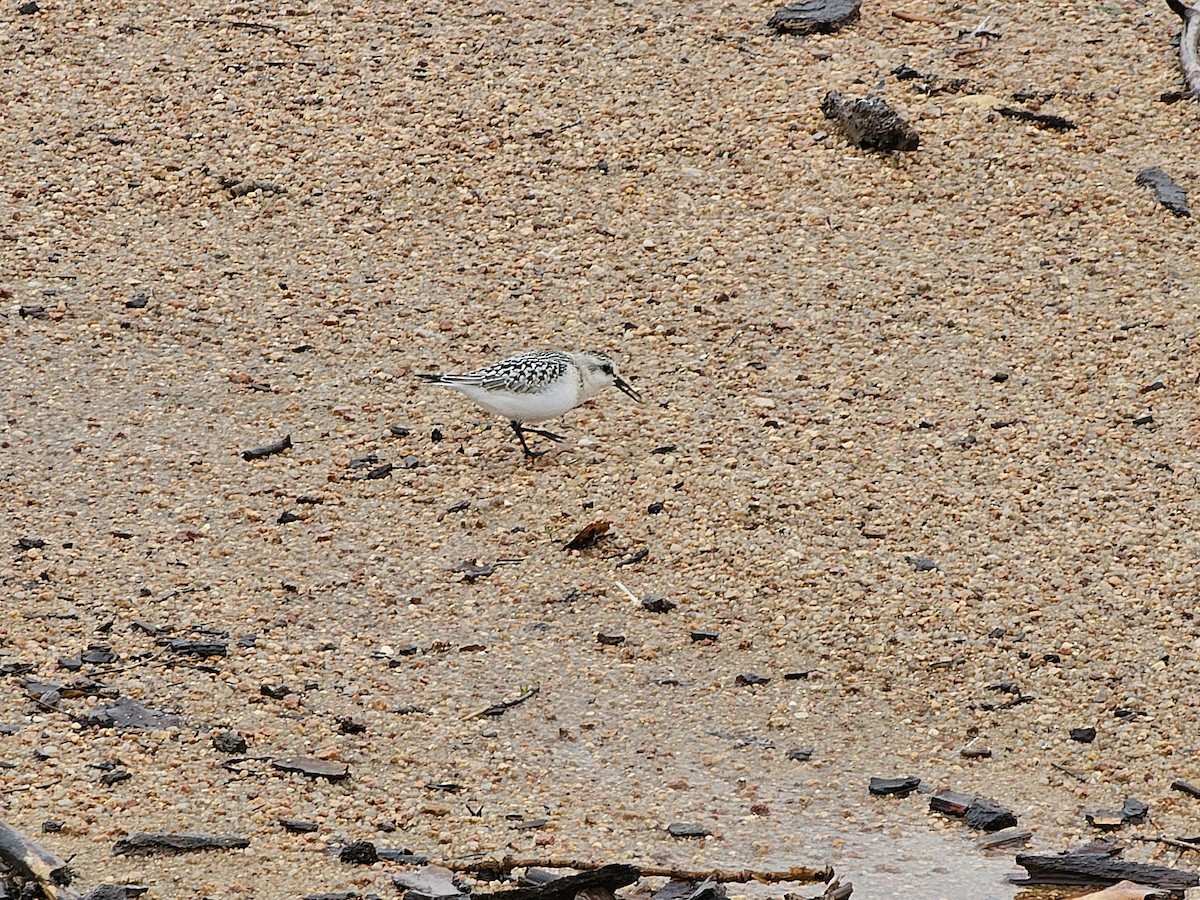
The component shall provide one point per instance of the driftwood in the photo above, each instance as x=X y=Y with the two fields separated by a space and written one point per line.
x=1169 y=194
x=33 y=862
x=142 y=843
x=738 y=876
x=1098 y=869
x=266 y=450
x=870 y=123
x=1189 y=57
x=609 y=877
x=809 y=16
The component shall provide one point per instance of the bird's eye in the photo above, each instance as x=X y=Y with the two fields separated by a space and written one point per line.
x=606 y=369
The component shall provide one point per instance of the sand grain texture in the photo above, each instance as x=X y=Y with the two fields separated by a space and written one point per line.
x=857 y=357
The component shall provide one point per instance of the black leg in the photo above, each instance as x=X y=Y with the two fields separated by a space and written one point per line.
x=546 y=434
x=529 y=454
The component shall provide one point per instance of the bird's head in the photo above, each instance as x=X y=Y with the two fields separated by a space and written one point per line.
x=600 y=371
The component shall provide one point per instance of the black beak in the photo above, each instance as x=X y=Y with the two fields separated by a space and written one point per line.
x=623 y=386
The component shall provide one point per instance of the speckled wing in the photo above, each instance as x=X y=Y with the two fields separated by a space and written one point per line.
x=525 y=374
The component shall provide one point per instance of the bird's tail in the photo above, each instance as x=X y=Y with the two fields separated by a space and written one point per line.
x=435 y=379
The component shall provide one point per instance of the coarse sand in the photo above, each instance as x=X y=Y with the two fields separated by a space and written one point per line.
x=920 y=431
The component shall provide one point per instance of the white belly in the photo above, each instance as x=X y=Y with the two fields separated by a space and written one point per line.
x=558 y=399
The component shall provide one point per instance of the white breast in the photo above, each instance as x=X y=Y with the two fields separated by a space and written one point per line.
x=557 y=399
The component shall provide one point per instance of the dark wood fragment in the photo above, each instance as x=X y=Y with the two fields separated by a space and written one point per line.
x=471 y=570
x=240 y=187
x=1185 y=787
x=633 y=558
x=1041 y=120
x=1169 y=194
x=1083 y=735
x=901 y=787
x=675 y=889
x=317 y=768
x=975 y=753
x=298 y=826
x=116 y=776
x=1134 y=811
x=704 y=635
x=266 y=450
x=655 y=604
x=687 y=830
x=362 y=853
x=870 y=123
x=609 y=877
x=801 y=754
x=1005 y=836
x=126 y=713
x=809 y=16
x=144 y=843
x=229 y=742
x=1089 y=868
x=499 y=709
x=951 y=803
x=610 y=639
x=750 y=678
x=987 y=815
x=186 y=647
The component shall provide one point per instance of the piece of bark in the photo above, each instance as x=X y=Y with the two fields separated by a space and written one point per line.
x=1189 y=56
x=987 y=815
x=361 y=853
x=687 y=830
x=1089 y=868
x=33 y=862
x=809 y=16
x=308 y=765
x=145 y=843
x=240 y=187
x=1040 y=120
x=870 y=123
x=1169 y=194
x=266 y=450
x=902 y=787
x=126 y=713
x=298 y=826
x=951 y=803
x=611 y=877
x=689 y=890
x=186 y=647
x=1004 y=837
x=1134 y=811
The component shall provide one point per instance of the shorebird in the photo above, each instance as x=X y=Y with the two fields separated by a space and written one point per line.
x=538 y=385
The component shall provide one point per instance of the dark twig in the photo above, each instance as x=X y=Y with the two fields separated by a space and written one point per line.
x=268 y=449
x=503 y=706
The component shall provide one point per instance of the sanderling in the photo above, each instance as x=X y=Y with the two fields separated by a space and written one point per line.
x=535 y=386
